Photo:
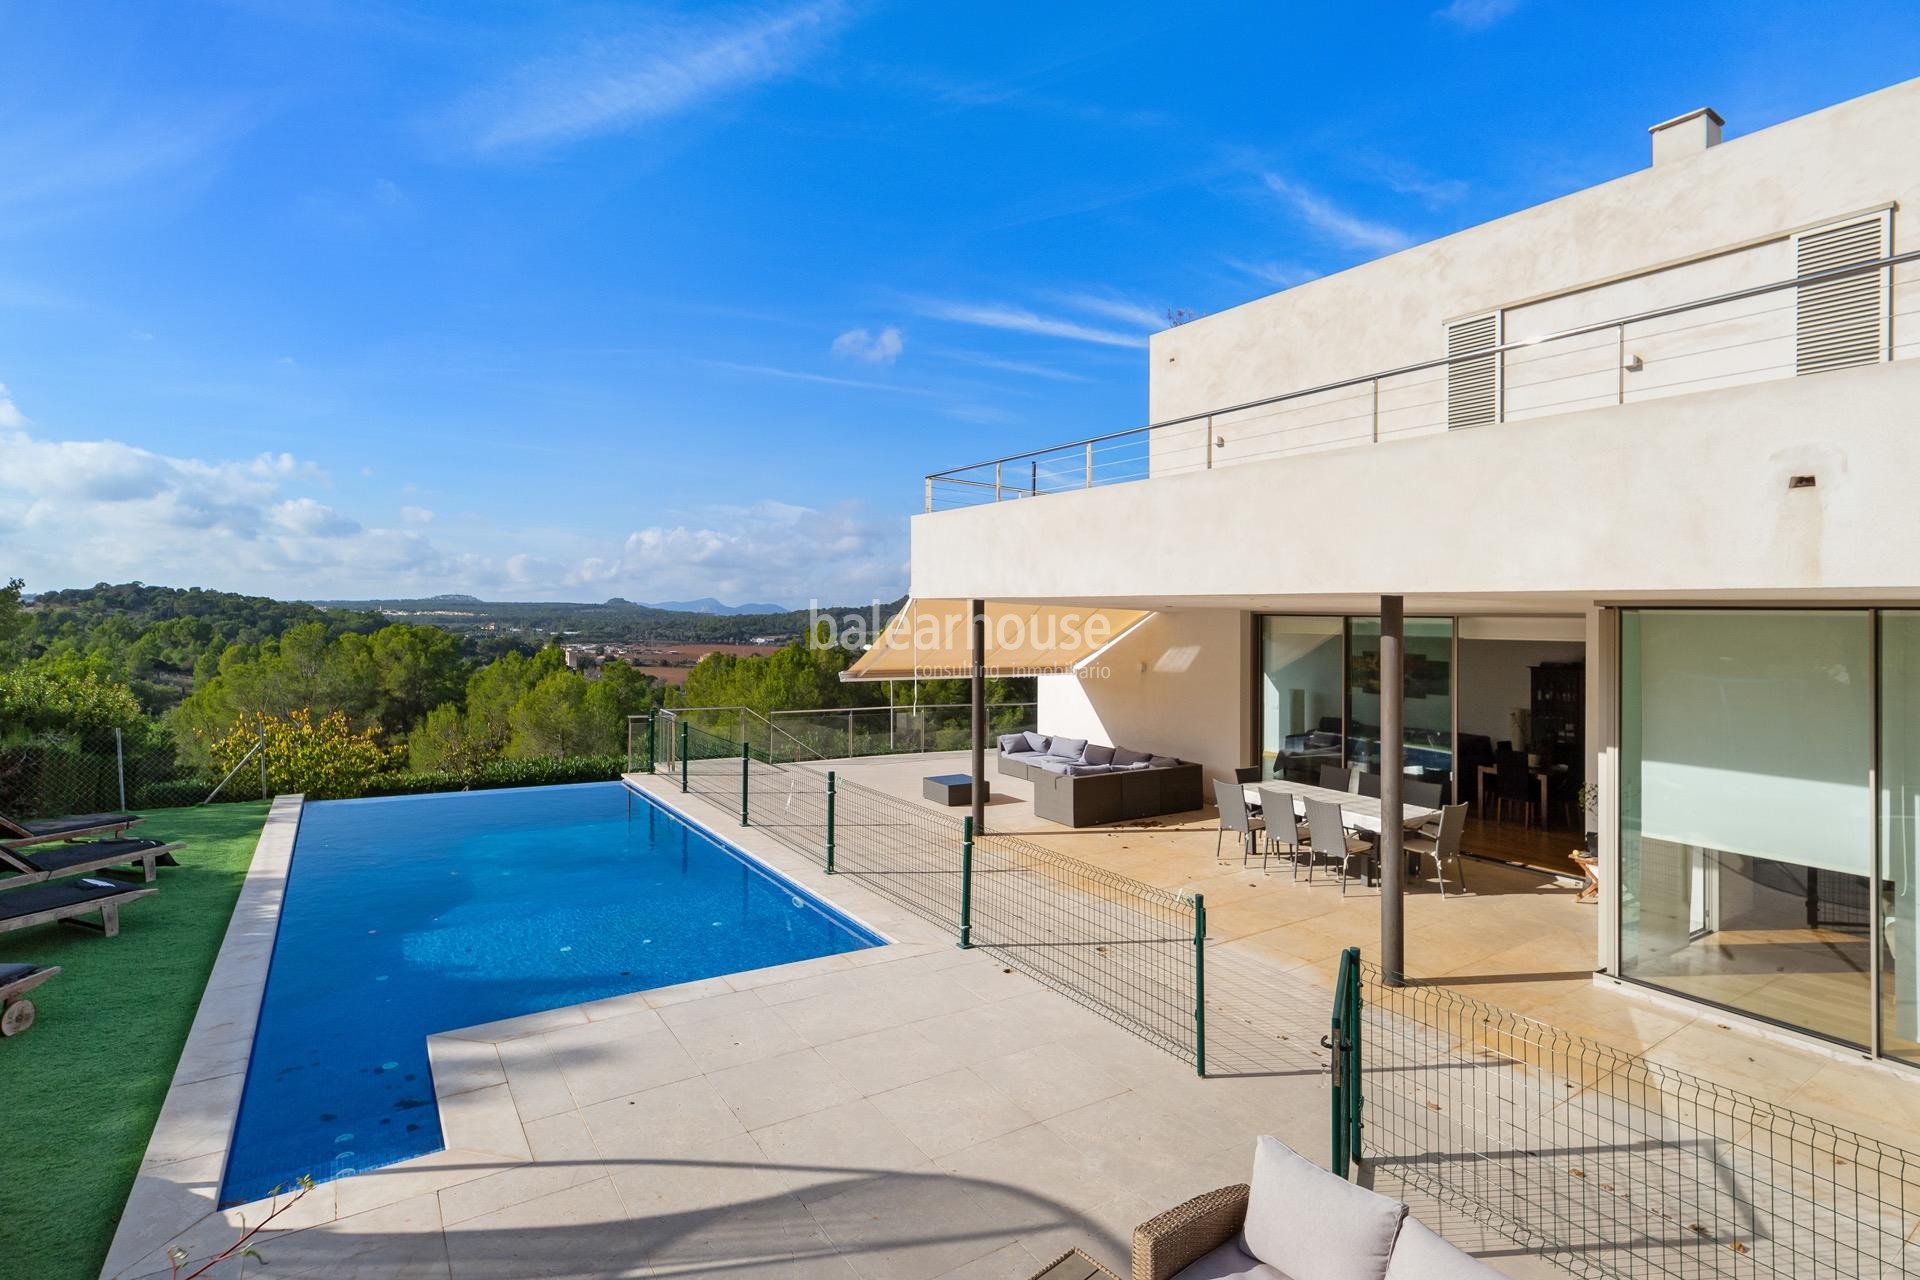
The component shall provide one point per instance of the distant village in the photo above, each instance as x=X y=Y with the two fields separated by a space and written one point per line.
x=668 y=663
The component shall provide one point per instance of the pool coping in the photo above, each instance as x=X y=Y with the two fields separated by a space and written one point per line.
x=178 y=1183
x=175 y=1195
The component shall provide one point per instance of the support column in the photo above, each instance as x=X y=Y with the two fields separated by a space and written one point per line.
x=979 y=694
x=1393 y=862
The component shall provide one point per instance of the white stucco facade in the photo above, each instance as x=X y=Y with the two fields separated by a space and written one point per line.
x=1710 y=454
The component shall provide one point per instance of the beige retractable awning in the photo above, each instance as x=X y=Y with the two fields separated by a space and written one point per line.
x=932 y=640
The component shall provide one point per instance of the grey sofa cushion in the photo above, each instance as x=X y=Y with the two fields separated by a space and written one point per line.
x=1127 y=755
x=1097 y=754
x=1088 y=770
x=1310 y=1224
x=1163 y=762
x=1050 y=764
x=1228 y=1262
x=1137 y=764
x=1067 y=748
x=1036 y=742
x=1011 y=742
x=1419 y=1254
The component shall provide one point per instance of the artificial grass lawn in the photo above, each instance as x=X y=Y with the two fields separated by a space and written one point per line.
x=84 y=1083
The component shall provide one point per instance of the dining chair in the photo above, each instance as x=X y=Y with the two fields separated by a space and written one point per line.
x=1285 y=832
x=1444 y=844
x=1247 y=774
x=1234 y=817
x=1336 y=777
x=1327 y=832
x=1420 y=793
x=1369 y=786
x=1513 y=784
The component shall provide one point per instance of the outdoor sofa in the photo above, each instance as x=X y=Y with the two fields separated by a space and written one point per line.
x=1295 y=1221
x=1085 y=784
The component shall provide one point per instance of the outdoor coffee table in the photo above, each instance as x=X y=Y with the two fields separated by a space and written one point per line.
x=1073 y=1265
x=949 y=789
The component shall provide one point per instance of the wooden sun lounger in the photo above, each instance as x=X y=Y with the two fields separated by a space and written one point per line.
x=17 y=834
x=16 y=1011
x=81 y=857
x=67 y=901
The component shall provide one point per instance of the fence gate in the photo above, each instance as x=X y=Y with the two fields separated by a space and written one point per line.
x=1343 y=1042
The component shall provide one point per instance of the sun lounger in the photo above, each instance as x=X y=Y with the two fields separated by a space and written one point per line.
x=81 y=857
x=16 y=1011
x=17 y=833
x=68 y=900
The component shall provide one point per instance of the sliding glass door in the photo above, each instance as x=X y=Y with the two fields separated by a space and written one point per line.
x=1747 y=812
x=1426 y=707
x=1302 y=690
x=1899 y=774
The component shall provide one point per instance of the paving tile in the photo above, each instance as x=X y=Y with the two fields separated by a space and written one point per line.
x=580 y=1232
x=661 y=1121
x=563 y=1155
x=483 y=1120
x=534 y=1078
x=721 y=1003
x=460 y=1066
x=951 y=1111
x=1049 y=1079
x=595 y=1072
x=395 y=1242
x=883 y=1060
x=823 y=1019
x=732 y=1037
x=775 y=1089
x=823 y=1149
x=373 y=1189
x=907 y=1226
x=1009 y=1262
x=195 y=1120
x=530 y=1024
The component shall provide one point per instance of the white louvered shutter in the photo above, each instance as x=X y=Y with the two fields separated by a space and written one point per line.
x=1473 y=385
x=1840 y=323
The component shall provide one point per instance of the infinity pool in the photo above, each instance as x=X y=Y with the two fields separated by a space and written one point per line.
x=418 y=914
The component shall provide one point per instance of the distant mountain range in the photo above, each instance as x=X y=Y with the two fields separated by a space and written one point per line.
x=707 y=604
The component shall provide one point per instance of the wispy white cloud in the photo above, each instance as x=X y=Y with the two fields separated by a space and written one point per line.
x=1111 y=307
x=991 y=315
x=1281 y=275
x=1475 y=15
x=1013 y=366
x=1410 y=180
x=624 y=82
x=1339 y=225
x=869 y=347
x=58 y=165
x=822 y=379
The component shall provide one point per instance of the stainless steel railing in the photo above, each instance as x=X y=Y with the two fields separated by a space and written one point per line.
x=1730 y=338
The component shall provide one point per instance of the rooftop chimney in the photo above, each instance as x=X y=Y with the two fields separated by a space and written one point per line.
x=1686 y=135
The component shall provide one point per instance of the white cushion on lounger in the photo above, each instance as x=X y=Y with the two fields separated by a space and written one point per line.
x=1228 y=1262
x=1311 y=1224
x=1419 y=1254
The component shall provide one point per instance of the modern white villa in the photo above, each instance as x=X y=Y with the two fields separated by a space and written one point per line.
x=1639 y=466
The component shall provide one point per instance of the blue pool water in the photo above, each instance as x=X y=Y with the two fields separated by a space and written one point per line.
x=418 y=914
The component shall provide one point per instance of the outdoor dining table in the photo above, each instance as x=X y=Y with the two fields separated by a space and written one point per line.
x=1362 y=813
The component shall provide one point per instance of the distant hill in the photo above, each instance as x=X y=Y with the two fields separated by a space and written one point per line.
x=707 y=604
x=615 y=620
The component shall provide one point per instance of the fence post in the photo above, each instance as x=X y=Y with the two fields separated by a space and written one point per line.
x=1199 y=984
x=683 y=755
x=263 y=764
x=746 y=760
x=829 y=822
x=966 y=882
x=120 y=766
x=849 y=735
x=652 y=740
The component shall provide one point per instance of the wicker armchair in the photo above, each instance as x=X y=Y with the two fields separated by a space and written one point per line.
x=1169 y=1242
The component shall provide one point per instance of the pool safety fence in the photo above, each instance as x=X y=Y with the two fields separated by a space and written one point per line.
x=102 y=770
x=1129 y=951
x=1611 y=1165
x=829 y=733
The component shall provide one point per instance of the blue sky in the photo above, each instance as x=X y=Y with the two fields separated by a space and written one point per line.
x=569 y=301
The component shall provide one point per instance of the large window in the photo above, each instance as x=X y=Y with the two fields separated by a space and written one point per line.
x=1746 y=815
x=1426 y=709
x=1302 y=688
x=1899 y=772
